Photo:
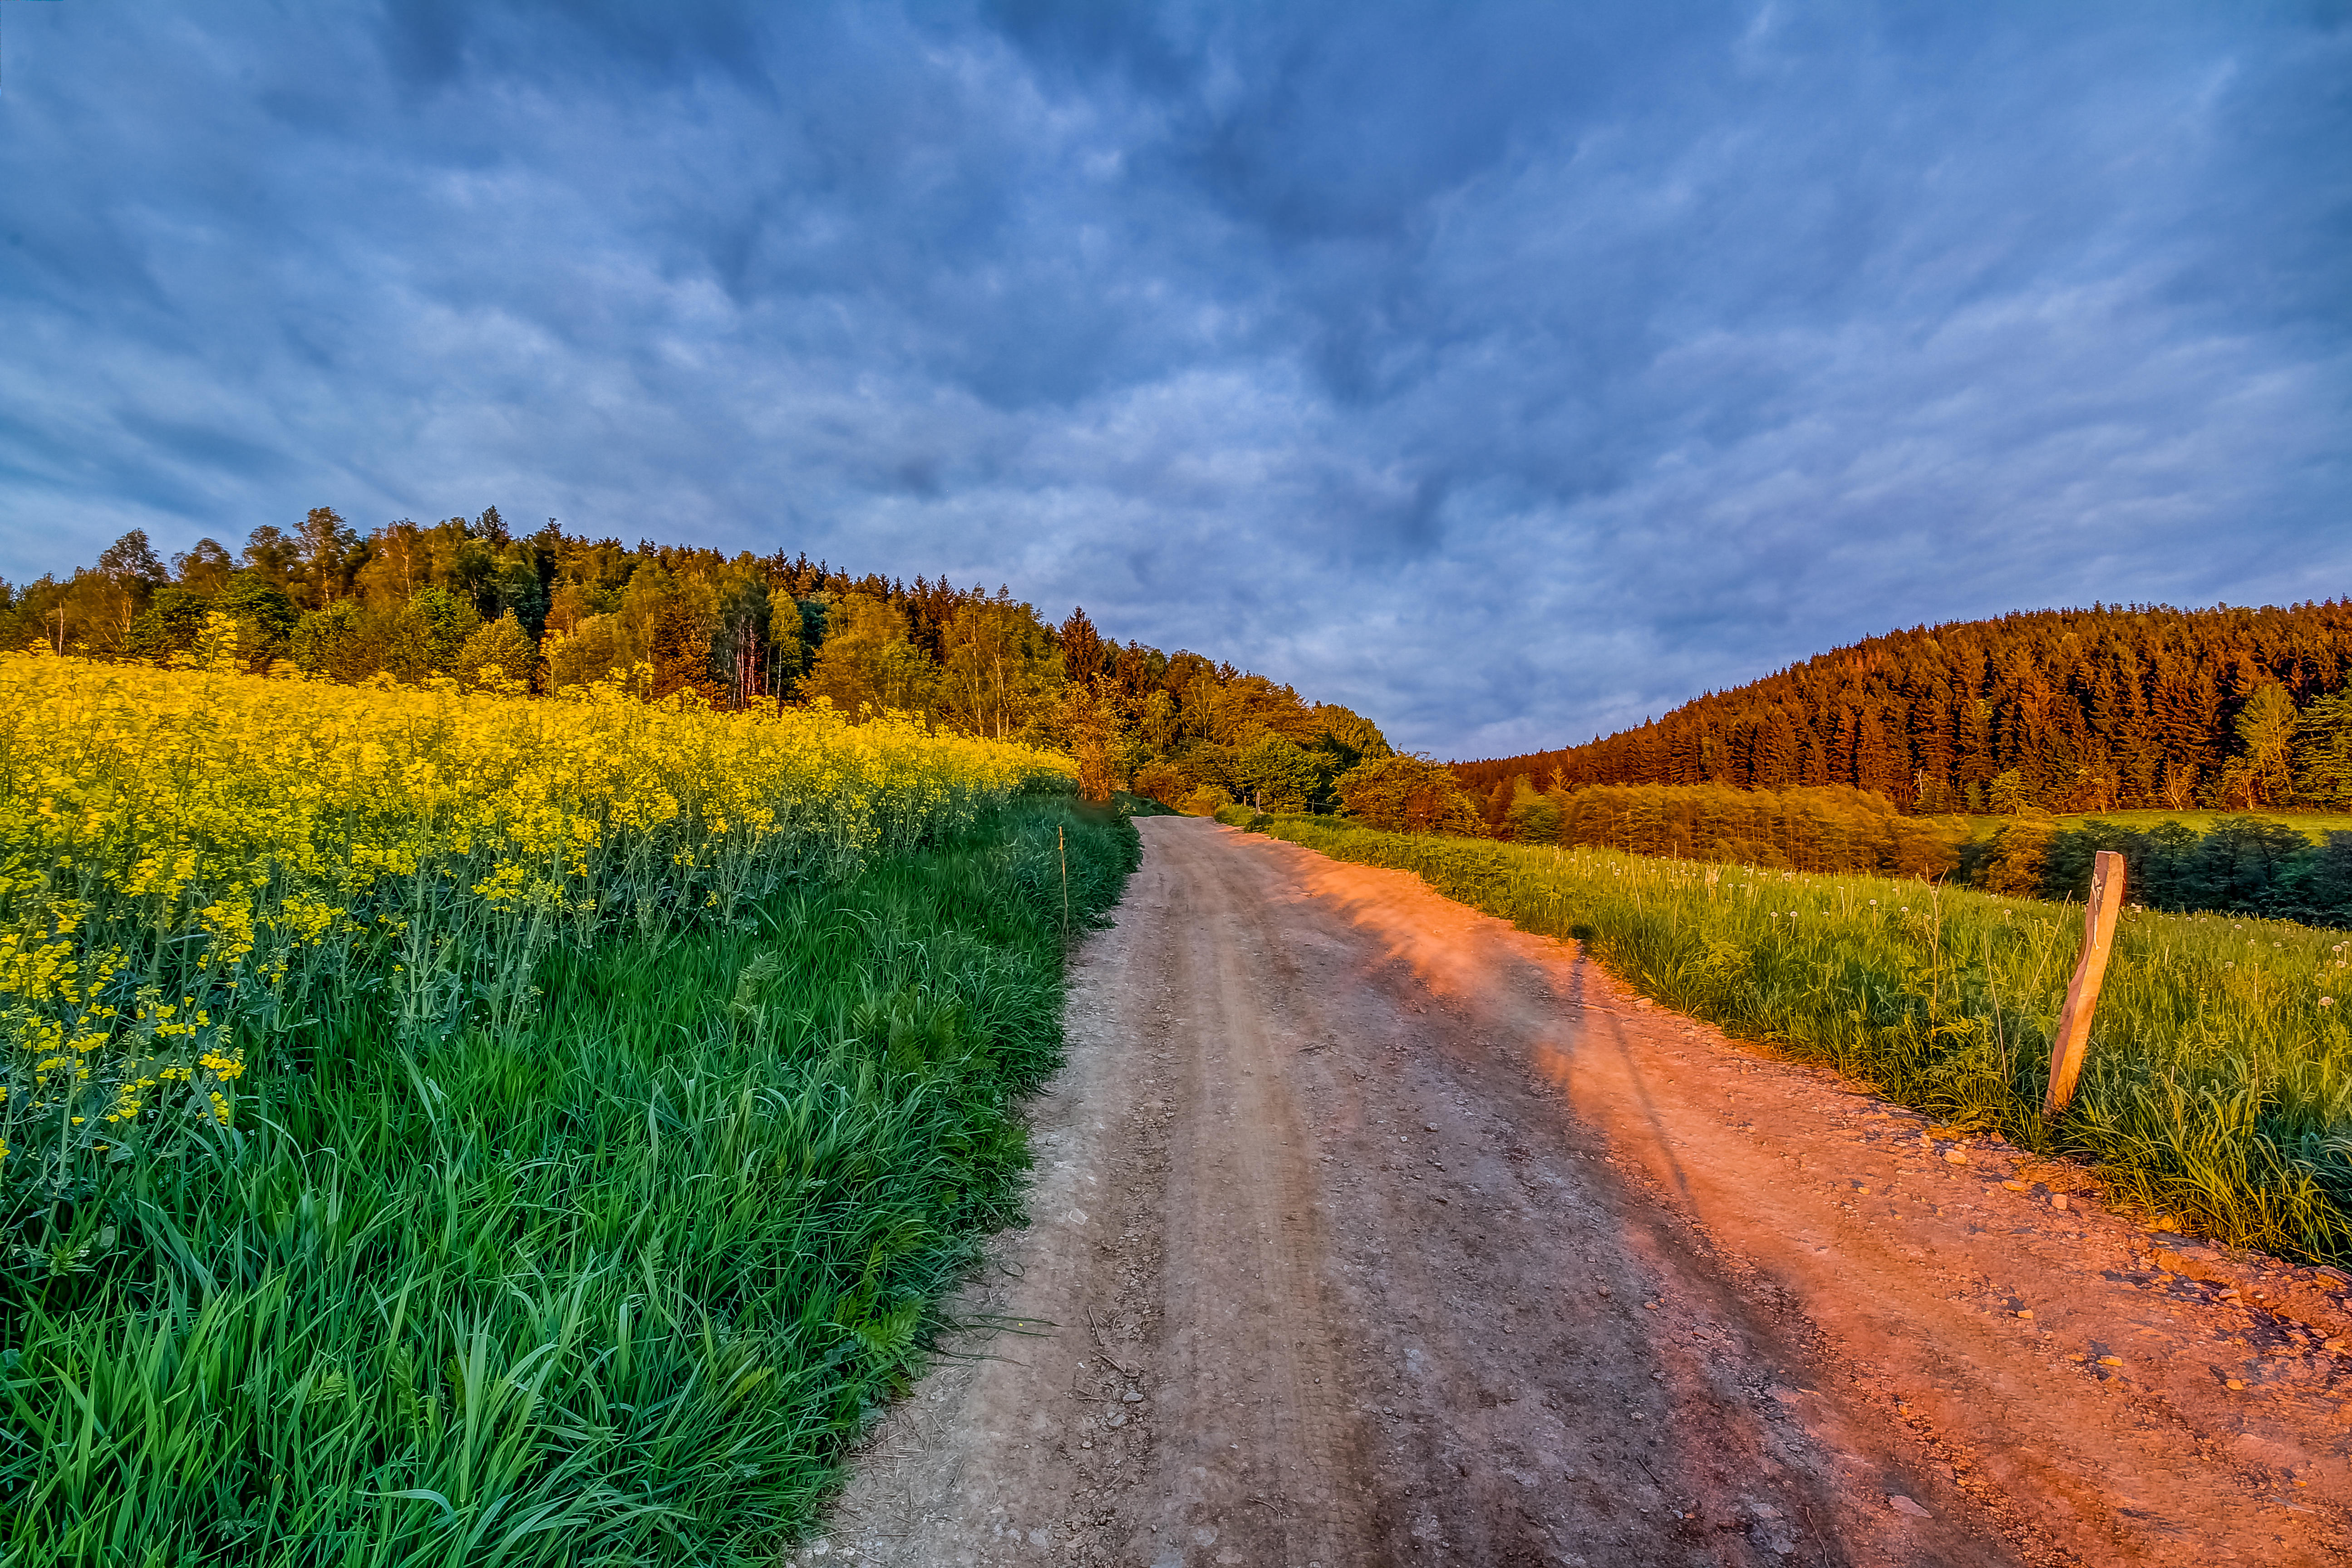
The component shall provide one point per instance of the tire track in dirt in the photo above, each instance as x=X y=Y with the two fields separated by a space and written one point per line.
x=1368 y=1230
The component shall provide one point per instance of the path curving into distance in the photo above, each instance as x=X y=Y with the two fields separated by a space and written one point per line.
x=1369 y=1230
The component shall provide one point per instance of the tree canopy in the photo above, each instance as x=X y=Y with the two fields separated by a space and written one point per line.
x=2113 y=708
x=469 y=600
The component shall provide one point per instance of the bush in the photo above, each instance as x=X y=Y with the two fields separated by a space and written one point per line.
x=1205 y=801
x=1408 y=794
x=501 y=655
x=1163 y=782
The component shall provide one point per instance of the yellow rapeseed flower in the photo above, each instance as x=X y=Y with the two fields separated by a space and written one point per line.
x=241 y=846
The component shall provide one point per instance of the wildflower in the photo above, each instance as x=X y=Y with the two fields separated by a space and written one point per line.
x=2328 y=1001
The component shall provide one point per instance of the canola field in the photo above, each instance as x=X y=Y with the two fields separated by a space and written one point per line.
x=188 y=857
x=2218 y=1090
x=470 y=1127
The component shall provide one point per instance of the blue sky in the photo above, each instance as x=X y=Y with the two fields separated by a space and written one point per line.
x=1510 y=373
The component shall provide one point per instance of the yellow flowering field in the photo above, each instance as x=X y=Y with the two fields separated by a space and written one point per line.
x=188 y=859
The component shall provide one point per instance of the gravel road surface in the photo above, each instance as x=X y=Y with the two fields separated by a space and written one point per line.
x=1370 y=1230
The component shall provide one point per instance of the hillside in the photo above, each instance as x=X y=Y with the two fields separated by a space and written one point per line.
x=469 y=600
x=2100 y=709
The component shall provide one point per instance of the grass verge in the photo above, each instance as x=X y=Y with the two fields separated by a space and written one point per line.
x=2219 y=1085
x=613 y=1284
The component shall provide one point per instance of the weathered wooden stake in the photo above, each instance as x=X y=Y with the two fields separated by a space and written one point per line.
x=2073 y=1038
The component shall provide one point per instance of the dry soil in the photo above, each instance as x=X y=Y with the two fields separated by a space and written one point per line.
x=1370 y=1230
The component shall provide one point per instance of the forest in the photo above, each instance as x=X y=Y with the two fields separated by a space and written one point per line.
x=470 y=601
x=2110 y=708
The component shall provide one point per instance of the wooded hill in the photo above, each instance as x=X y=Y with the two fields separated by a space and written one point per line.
x=469 y=601
x=2107 y=709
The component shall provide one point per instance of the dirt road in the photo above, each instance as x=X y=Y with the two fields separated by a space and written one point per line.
x=1370 y=1230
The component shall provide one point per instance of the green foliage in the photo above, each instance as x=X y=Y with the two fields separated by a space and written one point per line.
x=1531 y=815
x=428 y=633
x=170 y=623
x=2324 y=751
x=336 y=643
x=616 y=1284
x=869 y=662
x=1001 y=674
x=1163 y=781
x=2263 y=772
x=590 y=653
x=263 y=612
x=1206 y=801
x=2007 y=794
x=500 y=653
x=1277 y=774
x=1407 y=795
x=407 y=598
x=2219 y=1084
x=1828 y=829
x=2242 y=865
x=2014 y=859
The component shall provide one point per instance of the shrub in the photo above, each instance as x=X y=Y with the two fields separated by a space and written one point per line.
x=1406 y=793
x=1205 y=801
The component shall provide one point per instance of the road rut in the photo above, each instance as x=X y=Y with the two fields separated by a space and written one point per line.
x=1370 y=1230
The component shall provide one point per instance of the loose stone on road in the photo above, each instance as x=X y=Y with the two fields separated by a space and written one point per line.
x=1370 y=1230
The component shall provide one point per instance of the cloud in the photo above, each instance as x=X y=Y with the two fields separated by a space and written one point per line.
x=1510 y=373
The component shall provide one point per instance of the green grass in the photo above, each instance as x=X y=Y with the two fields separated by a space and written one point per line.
x=2314 y=825
x=617 y=1285
x=2219 y=1085
x=1140 y=805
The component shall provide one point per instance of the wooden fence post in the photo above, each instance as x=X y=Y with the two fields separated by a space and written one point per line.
x=2073 y=1038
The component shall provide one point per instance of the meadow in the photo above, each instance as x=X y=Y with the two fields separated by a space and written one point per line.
x=458 y=1128
x=2219 y=1087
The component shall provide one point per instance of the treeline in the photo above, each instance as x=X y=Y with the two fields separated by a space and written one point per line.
x=1832 y=829
x=471 y=601
x=2110 y=708
x=2242 y=865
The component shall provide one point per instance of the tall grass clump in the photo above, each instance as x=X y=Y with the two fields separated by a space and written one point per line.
x=600 y=1259
x=2219 y=1080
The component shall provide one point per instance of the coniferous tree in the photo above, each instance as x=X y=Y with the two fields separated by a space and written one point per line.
x=2107 y=709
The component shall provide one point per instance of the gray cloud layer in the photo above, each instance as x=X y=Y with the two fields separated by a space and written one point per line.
x=1510 y=373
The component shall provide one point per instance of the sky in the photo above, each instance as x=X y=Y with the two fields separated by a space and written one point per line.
x=1509 y=372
